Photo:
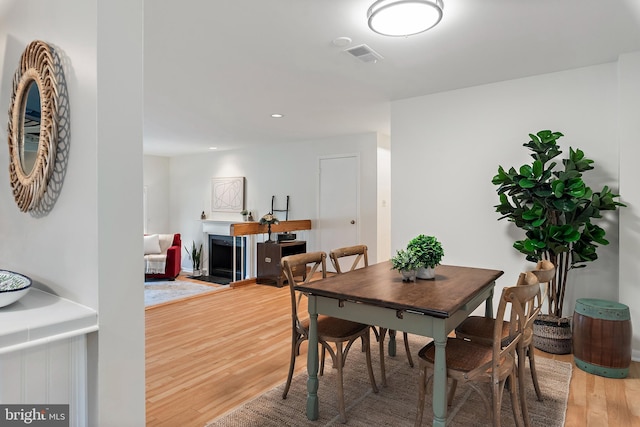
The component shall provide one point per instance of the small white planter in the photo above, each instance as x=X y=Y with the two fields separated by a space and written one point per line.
x=426 y=273
x=408 y=275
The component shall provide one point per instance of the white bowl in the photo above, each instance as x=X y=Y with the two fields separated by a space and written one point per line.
x=13 y=286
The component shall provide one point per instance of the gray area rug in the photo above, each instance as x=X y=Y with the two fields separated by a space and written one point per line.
x=158 y=292
x=395 y=405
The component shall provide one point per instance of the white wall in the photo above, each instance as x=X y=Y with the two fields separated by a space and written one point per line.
x=288 y=169
x=87 y=248
x=156 y=181
x=59 y=250
x=384 y=197
x=629 y=89
x=447 y=147
x=121 y=386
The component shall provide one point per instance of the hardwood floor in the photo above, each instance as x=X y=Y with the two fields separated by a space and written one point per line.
x=207 y=355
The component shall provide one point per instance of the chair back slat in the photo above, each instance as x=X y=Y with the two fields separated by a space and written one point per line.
x=529 y=278
x=359 y=251
x=545 y=271
x=525 y=305
x=292 y=263
x=517 y=299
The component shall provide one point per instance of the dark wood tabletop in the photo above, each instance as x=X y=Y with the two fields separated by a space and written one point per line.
x=379 y=285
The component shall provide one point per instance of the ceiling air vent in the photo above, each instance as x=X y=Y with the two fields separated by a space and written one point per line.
x=364 y=53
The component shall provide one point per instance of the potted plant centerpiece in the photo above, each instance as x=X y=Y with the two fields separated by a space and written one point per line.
x=195 y=255
x=556 y=210
x=428 y=250
x=407 y=263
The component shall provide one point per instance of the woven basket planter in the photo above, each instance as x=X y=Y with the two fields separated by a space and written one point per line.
x=552 y=334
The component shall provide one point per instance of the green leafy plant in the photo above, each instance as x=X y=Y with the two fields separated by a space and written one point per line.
x=427 y=249
x=195 y=255
x=405 y=260
x=555 y=208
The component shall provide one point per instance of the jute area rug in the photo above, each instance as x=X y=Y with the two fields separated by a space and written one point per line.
x=159 y=292
x=395 y=405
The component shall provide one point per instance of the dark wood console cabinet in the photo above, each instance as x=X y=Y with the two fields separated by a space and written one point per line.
x=269 y=256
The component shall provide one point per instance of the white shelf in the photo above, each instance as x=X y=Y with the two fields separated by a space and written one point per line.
x=40 y=317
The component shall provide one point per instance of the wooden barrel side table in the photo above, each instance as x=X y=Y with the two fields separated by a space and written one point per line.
x=602 y=337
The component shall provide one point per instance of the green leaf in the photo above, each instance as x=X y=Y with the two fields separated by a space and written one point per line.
x=500 y=177
x=526 y=183
x=538 y=222
x=537 y=169
x=525 y=170
x=558 y=188
x=564 y=205
x=573 y=236
x=577 y=193
x=542 y=192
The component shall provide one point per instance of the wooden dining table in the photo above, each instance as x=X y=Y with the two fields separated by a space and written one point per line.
x=376 y=295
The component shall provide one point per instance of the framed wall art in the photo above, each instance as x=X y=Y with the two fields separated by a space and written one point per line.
x=227 y=194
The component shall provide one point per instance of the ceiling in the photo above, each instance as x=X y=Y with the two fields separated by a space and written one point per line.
x=215 y=71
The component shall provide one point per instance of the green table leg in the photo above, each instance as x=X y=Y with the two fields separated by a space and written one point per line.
x=392 y=343
x=440 y=380
x=312 y=362
x=488 y=306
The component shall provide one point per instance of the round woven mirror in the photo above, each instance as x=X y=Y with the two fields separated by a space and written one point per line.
x=33 y=122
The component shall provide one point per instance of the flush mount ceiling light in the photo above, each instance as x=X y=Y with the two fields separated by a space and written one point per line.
x=401 y=18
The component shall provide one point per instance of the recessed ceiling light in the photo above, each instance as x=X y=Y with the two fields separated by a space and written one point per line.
x=277 y=115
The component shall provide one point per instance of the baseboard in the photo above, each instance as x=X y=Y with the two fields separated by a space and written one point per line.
x=635 y=355
x=245 y=282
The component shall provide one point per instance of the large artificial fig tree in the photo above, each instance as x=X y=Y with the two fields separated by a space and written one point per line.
x=556 y=210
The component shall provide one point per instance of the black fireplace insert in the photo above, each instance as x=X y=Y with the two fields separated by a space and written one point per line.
x=221 y=257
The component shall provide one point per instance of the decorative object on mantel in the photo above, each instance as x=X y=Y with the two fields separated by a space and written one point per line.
x=13 y=286
x=227 y=194
x=195 y=255
x=203 y=215
x=428 y=250
x=406 y=262
x=250 y=217
x=269 y=219
x=555 y=209
x=34 y=126
x=286 y=236
x=245 y=214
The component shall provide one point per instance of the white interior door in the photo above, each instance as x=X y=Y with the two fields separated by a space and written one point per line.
x=338 y=217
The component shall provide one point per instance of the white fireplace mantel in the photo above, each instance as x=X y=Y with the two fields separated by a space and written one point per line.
x=212 y=226
x=223 y=228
